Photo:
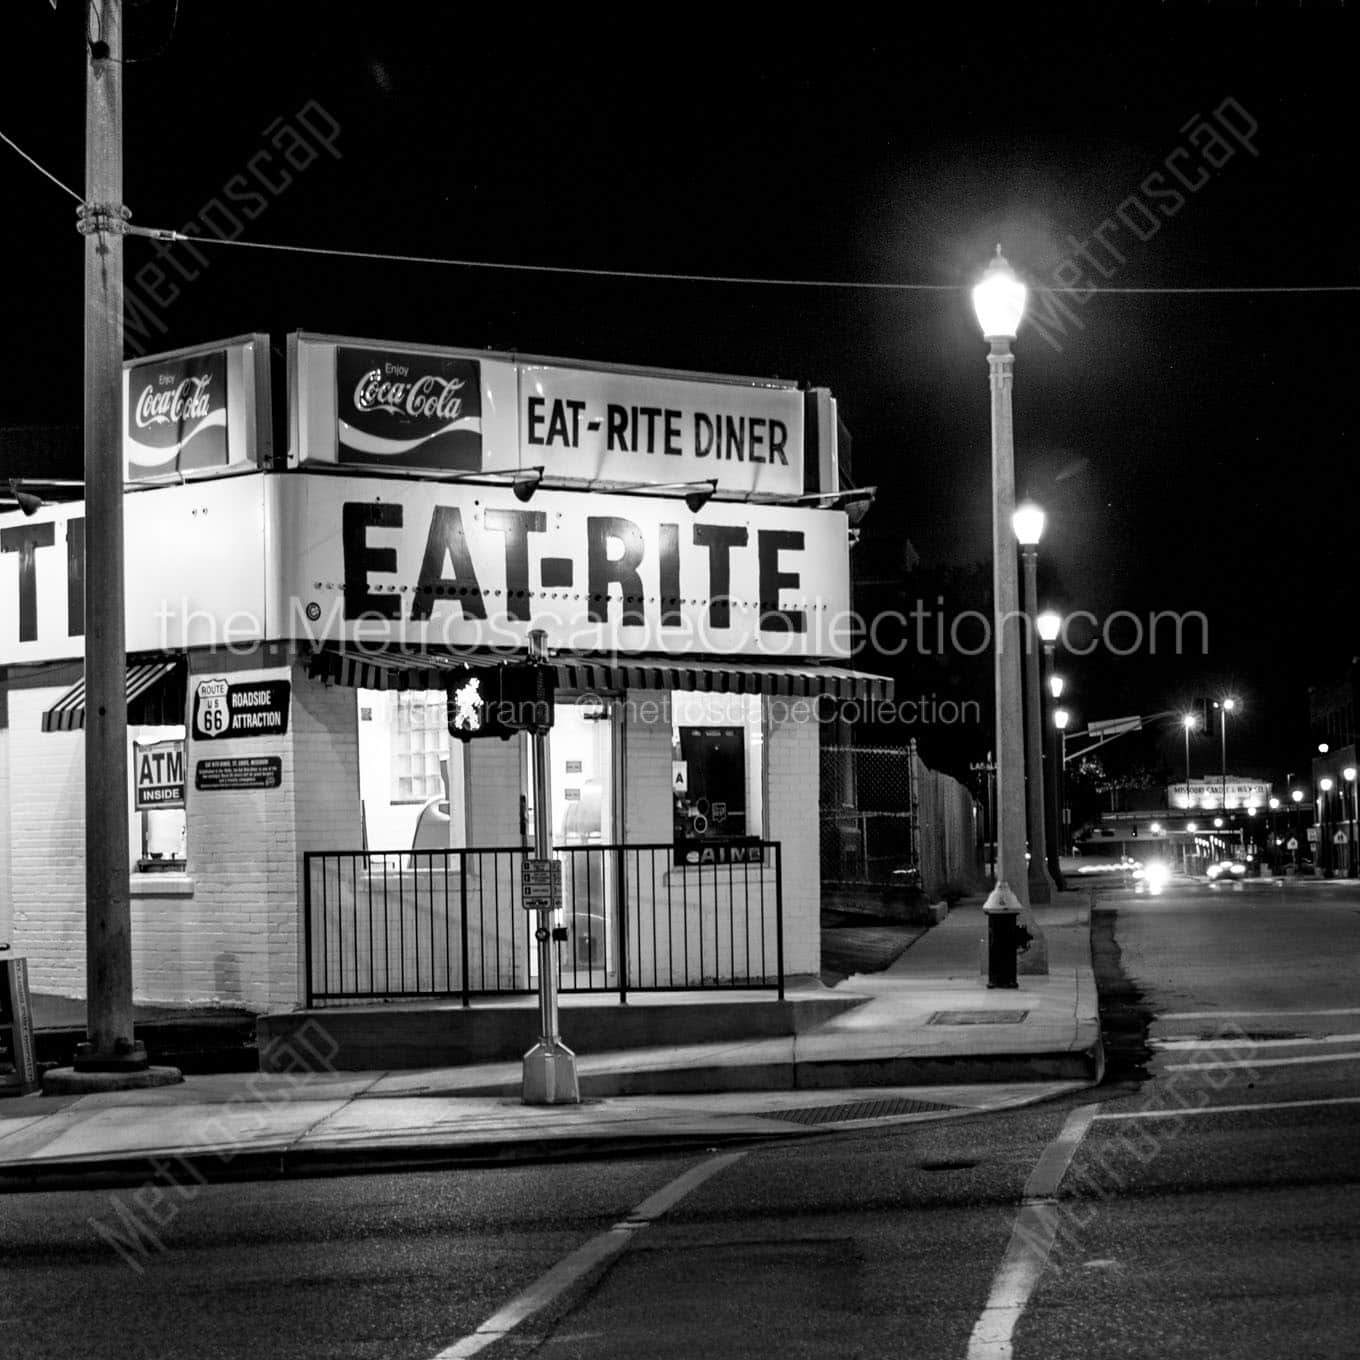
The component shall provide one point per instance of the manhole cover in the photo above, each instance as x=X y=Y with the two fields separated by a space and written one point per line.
x=860 y=1109
x=977 y=1017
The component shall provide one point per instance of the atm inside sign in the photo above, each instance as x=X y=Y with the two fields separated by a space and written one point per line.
x=158 y=774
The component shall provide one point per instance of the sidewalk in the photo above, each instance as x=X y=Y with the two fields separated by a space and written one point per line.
x=928 y=1040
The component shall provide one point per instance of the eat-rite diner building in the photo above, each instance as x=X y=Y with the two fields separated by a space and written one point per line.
x=290 y=616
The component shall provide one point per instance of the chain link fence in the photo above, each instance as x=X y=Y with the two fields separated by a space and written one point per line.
x=888 y=819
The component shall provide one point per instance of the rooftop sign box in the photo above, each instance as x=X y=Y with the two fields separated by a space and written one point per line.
x=196 y=412
x=403 y=409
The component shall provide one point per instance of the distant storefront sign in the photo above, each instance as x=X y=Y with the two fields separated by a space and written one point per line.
x=258 y=708
x=197 y=410
x=242 y=772
x=1211 y=793
x=158 y=774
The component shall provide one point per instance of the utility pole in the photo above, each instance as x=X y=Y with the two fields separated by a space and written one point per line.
x=111 y=1056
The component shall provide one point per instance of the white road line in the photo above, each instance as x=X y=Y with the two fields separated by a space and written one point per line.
x=590 y=1256
x=1228 y=1015
x=1167 y=1045
x=1031 y=1241
x=1251 y=1064
x=1231 y=1109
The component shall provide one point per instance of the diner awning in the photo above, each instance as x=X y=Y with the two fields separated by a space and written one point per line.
x=404 y=669
x=144 y=681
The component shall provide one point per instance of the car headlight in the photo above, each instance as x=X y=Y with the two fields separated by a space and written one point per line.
x=1214 y=870
x=1237 y=869
x=1156 y=875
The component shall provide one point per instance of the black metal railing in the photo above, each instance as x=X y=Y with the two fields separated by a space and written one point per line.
x=404 y=924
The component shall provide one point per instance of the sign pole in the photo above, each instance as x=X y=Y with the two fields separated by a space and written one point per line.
x=550 y=1066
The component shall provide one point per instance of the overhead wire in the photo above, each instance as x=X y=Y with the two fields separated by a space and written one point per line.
x=662 y=276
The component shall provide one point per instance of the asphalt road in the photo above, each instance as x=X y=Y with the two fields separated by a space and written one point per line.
x=1159 y=1218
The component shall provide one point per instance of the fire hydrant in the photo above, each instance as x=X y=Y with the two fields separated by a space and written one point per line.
x=1006 y=937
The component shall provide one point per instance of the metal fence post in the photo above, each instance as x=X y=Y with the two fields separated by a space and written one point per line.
x=463 y=925
x=621 y=897
x=779 y=914
x=307 y=926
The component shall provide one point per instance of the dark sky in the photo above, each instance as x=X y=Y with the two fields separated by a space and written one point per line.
x=1194 y=451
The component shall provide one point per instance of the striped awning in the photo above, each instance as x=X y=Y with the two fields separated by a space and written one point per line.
x=68 y=713
x=404 y=670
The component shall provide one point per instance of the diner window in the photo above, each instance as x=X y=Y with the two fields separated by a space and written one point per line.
x=159 y=842
x=410 y=771
x=717 y=774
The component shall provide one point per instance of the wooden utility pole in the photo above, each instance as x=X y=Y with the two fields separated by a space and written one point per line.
x=108 y=918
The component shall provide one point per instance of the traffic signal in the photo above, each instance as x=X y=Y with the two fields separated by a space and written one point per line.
x=497 y=701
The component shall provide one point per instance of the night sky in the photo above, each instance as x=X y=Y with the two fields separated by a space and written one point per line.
x=1194 y=451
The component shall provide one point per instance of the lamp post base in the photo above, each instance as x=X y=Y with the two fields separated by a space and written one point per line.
x=1040 y=885
x=550 y=1075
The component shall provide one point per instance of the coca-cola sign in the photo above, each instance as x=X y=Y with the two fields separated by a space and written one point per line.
x=177 y=414
x=397 y=408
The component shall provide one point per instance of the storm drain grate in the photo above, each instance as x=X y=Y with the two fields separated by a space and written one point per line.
x=977 y=1017
x=860 y=1109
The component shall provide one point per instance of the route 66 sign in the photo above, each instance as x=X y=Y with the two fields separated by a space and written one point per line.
x=212 y=718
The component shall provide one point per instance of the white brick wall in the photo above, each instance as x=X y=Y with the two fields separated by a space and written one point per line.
x=6 y=891
x=230 y=933
x=47 y=842
x=792 y=793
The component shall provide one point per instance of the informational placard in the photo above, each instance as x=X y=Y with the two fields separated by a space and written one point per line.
x=541 y=885
x=239 y=772
x=158 y=774
x=256 y=708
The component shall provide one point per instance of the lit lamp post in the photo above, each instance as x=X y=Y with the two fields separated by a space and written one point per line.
x=1224 y=709
x=1296 y=796
x=1049 y=626
x=1348 y=812
x=1028 y=523
x=999 y=301
x=1274 y=839
x=1324 y=838
x=1189 y=721
x=1061 y=718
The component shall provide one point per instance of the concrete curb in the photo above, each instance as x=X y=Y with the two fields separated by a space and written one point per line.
x=289 y=1163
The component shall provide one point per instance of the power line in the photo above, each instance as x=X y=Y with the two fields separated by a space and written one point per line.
x=652 y=275
x=10 y=142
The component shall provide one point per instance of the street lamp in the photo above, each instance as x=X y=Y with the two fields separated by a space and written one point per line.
x=1224 y=709
x=999 y=301
x=1348 y=811
x=1028 y=523
x=1061 y=717
x=1049 y=625
x=1189 y=721
x=1324 y=840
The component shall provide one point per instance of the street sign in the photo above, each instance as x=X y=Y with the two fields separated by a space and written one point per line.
x=1112 y=727
x=1339 y=838
x=1292 y=843
x=541 y=882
